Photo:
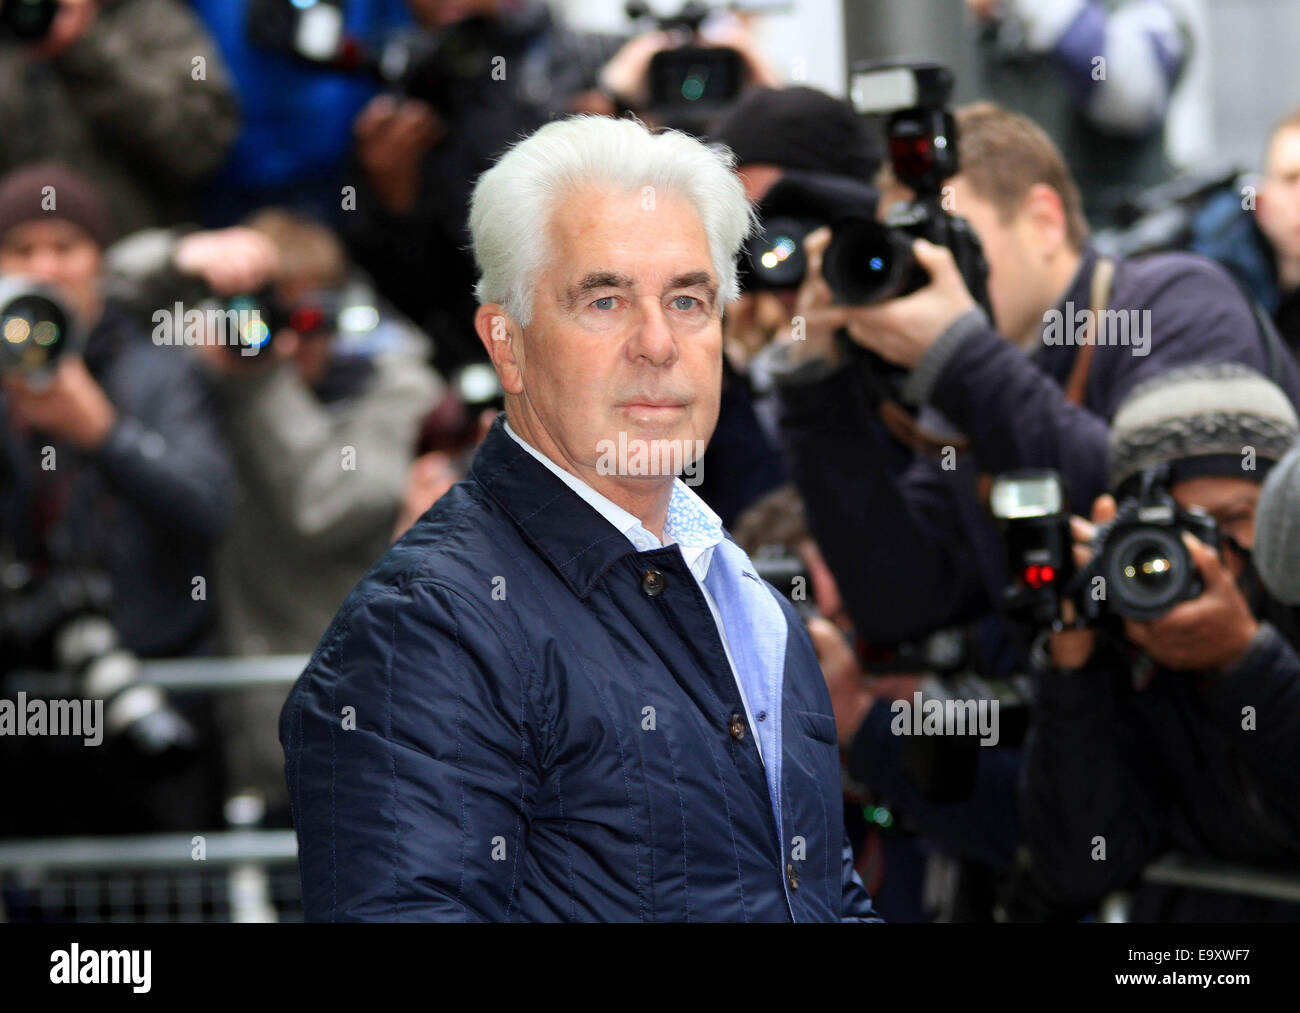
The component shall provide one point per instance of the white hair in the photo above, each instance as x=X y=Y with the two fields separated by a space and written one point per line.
x=511 y=207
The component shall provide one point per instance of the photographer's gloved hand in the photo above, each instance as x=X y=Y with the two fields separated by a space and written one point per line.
x=73 y=407
x=1208 y=632
x=902 y=330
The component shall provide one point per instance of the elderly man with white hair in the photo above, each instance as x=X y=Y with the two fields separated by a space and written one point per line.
x=565 y=694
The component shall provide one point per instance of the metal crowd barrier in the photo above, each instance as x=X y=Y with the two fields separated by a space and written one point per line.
x=245 y=875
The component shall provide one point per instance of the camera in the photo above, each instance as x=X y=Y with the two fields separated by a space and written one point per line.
x=869 y=261
x=690 y=81
x=251 y=320
x=27 y=20
x=1140 y=568
x=58 y=618
x=36 y=328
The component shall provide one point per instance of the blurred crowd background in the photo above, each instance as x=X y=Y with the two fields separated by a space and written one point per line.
x=164 y=497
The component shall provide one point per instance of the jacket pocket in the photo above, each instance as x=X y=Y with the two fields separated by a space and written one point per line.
x=818 y=726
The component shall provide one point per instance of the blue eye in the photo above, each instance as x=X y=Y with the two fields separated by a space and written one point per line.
x=687 y=298
x=604 y=299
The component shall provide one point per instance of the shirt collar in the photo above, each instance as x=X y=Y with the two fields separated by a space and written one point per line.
x=690 y=524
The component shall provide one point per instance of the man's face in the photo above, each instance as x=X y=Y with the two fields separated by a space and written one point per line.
x=1232 y=503
x=1018 y=285
x=1278 y=206
x=60 y=254
x=626 y=333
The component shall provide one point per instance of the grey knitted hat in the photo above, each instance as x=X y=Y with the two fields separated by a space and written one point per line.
x=1277 y=530
x=1218 y=419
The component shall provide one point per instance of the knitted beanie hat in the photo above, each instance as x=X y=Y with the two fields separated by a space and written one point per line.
x=52 y=190
x=1220 y=419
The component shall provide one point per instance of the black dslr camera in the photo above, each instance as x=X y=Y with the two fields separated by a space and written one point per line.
x=868 y=261
x=1140 y=568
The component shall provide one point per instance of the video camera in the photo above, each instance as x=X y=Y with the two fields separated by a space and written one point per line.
x=35 y=329
x=1140 y=568
x=691 y=80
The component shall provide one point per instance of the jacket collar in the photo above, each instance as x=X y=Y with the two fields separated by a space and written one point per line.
x=573 y=537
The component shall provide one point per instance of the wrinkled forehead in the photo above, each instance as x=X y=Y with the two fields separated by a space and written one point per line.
x=639 y=232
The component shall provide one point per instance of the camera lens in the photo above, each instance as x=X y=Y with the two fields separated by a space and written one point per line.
x=775 y=258
x=867 y=262
x=33 y=329
x=1147 y=572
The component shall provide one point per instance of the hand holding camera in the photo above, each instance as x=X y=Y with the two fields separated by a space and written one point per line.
x=1140 y=562
x=901 y=329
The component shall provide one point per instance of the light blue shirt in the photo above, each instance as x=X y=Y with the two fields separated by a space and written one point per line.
x=750 y=623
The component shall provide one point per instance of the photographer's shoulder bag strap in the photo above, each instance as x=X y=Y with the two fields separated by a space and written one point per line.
x=1103 y=279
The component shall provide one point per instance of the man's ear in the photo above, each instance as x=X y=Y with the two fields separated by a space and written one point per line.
x=1046 y=211
x=499 y=333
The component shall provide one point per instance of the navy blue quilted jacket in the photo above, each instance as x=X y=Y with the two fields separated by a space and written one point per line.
x=504 y=723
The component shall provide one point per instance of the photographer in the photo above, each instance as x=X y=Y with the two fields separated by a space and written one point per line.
x=1028 y=389
x=1181 y=732
x=131 y=91
x=115 y=488
x=321 y=422
x=140 y=477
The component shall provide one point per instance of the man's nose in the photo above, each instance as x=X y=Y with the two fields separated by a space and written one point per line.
x=43 y=265
x=653 y=339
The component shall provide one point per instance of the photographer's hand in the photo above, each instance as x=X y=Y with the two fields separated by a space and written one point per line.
x=392 y=138
x=901 y=330
x=72 y=407
x=1209 y=632
x=810 y=334
x=1073 y=647
x=229 y=261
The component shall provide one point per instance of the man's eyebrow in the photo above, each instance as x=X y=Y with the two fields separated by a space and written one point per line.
x=693 y=279
x=598 y=279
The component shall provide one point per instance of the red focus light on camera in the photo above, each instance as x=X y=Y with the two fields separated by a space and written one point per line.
x=1039 y=575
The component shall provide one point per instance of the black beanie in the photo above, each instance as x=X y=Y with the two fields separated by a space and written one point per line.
x=23 y=198
x=800 y=128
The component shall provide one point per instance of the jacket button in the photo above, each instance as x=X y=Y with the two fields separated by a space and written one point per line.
x=737 y=727
x=792 y=877
x=653 y=583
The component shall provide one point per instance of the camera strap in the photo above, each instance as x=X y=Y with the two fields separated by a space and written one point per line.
x=1103 y=279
